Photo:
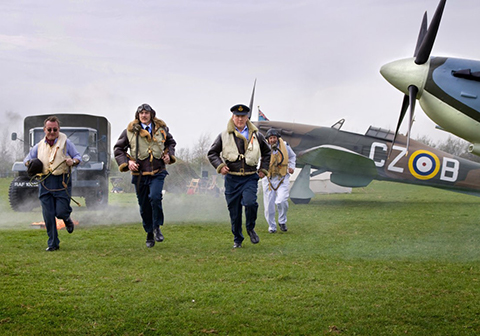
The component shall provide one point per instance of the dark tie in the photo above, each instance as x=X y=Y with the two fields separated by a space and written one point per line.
x=148 y=129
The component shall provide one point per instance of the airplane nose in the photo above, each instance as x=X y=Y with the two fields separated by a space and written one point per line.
x=404 y=73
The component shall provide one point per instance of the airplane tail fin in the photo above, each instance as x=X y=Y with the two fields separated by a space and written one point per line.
x=251 y=100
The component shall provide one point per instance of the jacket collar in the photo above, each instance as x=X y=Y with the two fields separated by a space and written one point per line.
x=158 y=123
x=231 y=127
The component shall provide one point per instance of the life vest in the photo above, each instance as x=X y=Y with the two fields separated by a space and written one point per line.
x=53 y=157
x=148 y=146
x=279 y=161
x=230 y=151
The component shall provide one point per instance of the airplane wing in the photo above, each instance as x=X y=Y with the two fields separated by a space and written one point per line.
x=349 y=169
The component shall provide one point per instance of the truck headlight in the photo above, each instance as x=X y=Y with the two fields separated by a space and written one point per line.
x=85 y=158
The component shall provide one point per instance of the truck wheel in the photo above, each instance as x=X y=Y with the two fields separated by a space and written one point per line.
x=97 y=199
x=22 y=197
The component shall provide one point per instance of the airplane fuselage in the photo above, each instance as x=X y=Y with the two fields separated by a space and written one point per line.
x=451 y=96
x=422 y=165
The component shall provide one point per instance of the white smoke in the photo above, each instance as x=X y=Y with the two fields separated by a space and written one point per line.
x=178 y=208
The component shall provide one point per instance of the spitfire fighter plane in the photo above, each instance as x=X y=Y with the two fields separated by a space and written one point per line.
x=448 y=92
x=447 y=88
x=354 y=160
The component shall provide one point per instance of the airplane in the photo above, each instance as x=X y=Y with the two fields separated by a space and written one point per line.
x=354 y=160
x=446 y=88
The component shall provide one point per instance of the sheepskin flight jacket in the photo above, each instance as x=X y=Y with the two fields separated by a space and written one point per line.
x=150 y=148
x=239 y=166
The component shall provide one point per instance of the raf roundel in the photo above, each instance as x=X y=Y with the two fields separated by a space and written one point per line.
x=424 y=165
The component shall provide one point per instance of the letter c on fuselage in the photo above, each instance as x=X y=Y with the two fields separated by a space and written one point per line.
x=373 y=147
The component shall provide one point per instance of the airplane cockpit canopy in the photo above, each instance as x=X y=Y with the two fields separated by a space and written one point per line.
x=380 y=133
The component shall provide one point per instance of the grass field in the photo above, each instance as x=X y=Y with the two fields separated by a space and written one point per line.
x=389 y=259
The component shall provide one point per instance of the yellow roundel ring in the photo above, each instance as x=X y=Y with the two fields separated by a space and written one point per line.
x=423 y=164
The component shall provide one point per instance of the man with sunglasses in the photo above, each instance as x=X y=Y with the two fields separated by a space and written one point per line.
x=242 y=155
x=144 y=148
x=55 y=155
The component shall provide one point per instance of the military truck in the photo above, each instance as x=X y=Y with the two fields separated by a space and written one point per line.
x=91 y=136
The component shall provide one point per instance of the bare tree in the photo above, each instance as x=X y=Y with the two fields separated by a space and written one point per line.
x=452 y=145
x=426 y=140
x=10 y=151
x=184 y=154
x=199 y=157
x=202 y=146
x=5 y=152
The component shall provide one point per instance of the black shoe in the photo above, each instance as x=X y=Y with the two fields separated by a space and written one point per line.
x=237 y=245
x=283 y=227
x=158 y=235
x=253 y=236
x=150 y=241
x=69 y=225
x=272 y=231
x=53 y=248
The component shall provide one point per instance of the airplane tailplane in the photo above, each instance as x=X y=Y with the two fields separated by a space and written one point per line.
x=301 y=192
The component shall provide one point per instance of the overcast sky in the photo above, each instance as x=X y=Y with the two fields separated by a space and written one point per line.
x=315 y=61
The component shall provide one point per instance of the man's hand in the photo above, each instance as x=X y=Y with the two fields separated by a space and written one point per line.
x=166 y=158
x=132 y=165
x=224 y=170
x=70 y=162
x=261 y=174
x=291 y=170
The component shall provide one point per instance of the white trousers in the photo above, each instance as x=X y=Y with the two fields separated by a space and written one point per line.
x=278 y=198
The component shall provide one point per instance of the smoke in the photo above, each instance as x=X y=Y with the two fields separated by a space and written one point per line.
x=18 y=220
x=14 y=120
x=178 y=208
x=9 y=150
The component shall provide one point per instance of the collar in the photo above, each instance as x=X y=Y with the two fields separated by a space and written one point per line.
x=245 y=129
x=231 y=126
x=51 y=142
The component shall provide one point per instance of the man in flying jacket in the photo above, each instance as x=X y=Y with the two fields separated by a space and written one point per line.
x=144 y=148
x=236 y=153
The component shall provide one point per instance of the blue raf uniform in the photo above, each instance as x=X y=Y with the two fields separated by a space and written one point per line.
x=243 y=156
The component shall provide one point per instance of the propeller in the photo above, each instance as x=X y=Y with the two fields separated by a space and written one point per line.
x=421 y=34
x=423 y=48
x=426 y=46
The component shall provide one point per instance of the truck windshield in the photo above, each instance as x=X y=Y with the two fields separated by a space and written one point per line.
x=81 y=138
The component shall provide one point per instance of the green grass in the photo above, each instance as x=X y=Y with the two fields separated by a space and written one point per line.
x=390 y=259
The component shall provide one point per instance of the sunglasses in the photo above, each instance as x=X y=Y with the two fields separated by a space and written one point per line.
x=52 y=129
x=144 y=107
